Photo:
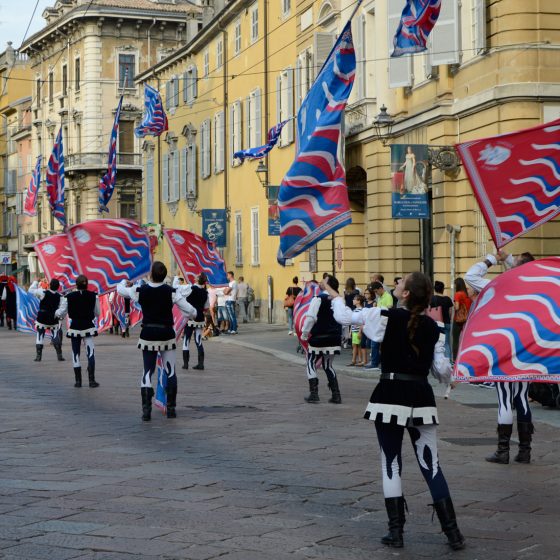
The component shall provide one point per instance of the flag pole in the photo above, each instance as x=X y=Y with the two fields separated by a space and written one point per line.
x=159 y=166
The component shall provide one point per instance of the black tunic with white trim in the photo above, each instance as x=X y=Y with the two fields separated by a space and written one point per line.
x=157 y=317
x=81 y=312
x=47 y=307
x=198 y=298
x=326 y=334
x=405 y=402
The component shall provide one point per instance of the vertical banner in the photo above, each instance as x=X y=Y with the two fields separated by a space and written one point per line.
x=409 y=172
x=273 y=219
x=214 y=226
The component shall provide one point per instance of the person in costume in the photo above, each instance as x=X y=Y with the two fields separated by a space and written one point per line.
x=324 y=336
x=157 y=335
x=511 y=394
x=10 y=302
x=3 y=286
x=197 y=296
x=46 y=321
x=411 y=343
x=82 y=307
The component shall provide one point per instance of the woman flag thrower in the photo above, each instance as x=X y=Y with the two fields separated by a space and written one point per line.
x=157 y=335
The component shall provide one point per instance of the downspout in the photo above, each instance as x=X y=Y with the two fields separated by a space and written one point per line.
x=224 y=108
x=149 y=43
x=265 y=45
x=453 y=231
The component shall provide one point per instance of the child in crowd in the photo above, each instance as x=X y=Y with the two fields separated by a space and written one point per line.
x=356 y=332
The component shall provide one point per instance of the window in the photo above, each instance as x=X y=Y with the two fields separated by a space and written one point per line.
x=219 y=142
x=237 y=37
x=78 y=143
x=219 y=54
x=254 y=23
x=64 y=79
x=286 y=6
x=323 y=43
x=77 y=77
x=285 y=104
x=235 y=131
x=127 y=206
x=172 y=93
x=206 y=63
x=253 y=119
x=400 y=68
x=446 y=35
x=255 y=247
x=150 y=188
x=205 y=149
x=188 y=176
x=127 y=70
x=51 y=86
x=238 y=239
x=190 y=85
x=304 y=76
x=126 y=141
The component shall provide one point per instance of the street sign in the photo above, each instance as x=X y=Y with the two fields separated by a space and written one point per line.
x=5 y=258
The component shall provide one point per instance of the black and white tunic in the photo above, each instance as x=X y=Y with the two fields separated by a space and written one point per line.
x=323 y=332
x=50 y=302
x=406 y=403
x=82 y=307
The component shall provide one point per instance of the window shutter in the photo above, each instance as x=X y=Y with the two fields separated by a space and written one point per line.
x=165 y=178
x=400 y=68
x=258 y=112
x=239 y=125
x=184 y=168
x=167 y=95
x=185 y=87
x=360 y=56
x=202 y=150
x=176 y=96
x=232 y=133
x=176 y=167
x=297 y=93
x=445 y=36
x=192 y=172
x=479 y=26
x=289 y=126
x=208 y=142
x=323 y=43
x=221 y=132
x=194 y=82
x=215 y=144
x=150 y=190
x=247 y=122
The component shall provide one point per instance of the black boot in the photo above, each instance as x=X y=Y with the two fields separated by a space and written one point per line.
x=171 y=397
x=147 y=394
x=110 y=330
x=446 y=516
x=78 y=376
x=525 y=431
x=333 y=386
x=200 y=364
x=501 y=455
x=186 y=355
x=59 y=355
x=313 y=396
x=9 y=321
x=91 y=376
x=395 y=513
x=39 y=350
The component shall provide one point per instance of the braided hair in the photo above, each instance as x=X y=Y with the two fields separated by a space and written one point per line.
x=419 y=287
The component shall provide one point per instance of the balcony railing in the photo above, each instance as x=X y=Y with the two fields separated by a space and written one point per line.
x=98 y=160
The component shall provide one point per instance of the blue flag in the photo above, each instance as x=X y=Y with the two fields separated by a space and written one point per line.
x=261 y=151
x=55 y=180
x=417 y=21
x=27 y=308
x=155 y=119
x=107 y=182
x=313 y=197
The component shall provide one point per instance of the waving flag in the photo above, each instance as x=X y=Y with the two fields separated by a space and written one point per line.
x=55 y=180
x=119 y=311
x=57 y=259
x=108 y=251
x=417 y=20
x=27 y=308
x=512 y=330
x=30 y=204
x=155 y=119
x=301 y=306
x=516 y=179
x=105 y=319
x=261 y=151
x=107 y=182
x=313 y=197
x=179 y=322
x=195 y=255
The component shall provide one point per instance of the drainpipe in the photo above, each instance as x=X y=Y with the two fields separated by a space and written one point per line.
x=453 y=231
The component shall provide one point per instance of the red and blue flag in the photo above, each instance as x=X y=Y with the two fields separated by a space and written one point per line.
x=27 y=306
x=155 y=119
x=55 y=180
x=57 y=260
x=257 y=153
x=108 y=181
x=313 y=197
x=301 y=306
x=417 y=21
x=30 y=204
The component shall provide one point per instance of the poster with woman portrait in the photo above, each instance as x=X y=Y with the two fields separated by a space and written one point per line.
x=409 y=181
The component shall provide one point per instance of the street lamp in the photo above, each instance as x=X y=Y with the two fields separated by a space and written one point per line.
x=262 y=173
x=383 y=125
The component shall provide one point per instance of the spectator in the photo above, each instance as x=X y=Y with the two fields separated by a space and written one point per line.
x=356 y=331
x=350 y=292
x=291 y=295
x=231 y=297
x=462 y=303
x=396 y=281
x=365 y=342
x=439 y=300
x=223 y=318
x=243 y=299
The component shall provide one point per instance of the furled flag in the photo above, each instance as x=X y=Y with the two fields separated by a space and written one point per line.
x=57 y=259
x=160 y=396
x=516 y=179
x=108 y=251
x=155 y=119
x=301 y=306
x=195 y=255
x=27 y=308
x=313 y=197
x=55 y=180
x=179 y=322
x=105 y=319
x=107 y=182
x=512 y=330
x=30 y=204
x=261 y=151
x=417 y=21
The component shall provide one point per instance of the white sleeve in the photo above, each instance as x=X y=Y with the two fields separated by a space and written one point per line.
x=127 y=292
x=310 y=317
x=184 y=290
x=187 y=309
x=508 y=263
x=441 y=366
x=60 y=313
x=476 y=273
x=175 y=283
x=374 y=324
x=34 y=290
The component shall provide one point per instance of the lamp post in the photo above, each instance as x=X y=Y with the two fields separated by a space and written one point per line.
x=383 y=125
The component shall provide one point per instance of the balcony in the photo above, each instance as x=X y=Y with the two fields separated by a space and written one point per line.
x=97 y=161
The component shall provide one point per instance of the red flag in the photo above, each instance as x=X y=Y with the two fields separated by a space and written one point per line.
x=105 y=319
x=516 y=179
x=512 y=330
x=57 y=259
x=301 y=306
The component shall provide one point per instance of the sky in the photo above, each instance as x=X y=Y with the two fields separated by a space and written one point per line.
x=15 y=16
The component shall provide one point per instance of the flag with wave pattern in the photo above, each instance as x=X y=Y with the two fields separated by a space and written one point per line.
x=313 y=196
x=105 y=319
x=108 y=251
x=54 y=182
x=57 y=260
x=108 y=181
x=261 y=151
x=516 y=179
x=417 y=21
x=119 y=310
x=301 y=306
x=30 y=204
x=27 y=308
x=512 y=330
x=195 y=255
x=155 y=119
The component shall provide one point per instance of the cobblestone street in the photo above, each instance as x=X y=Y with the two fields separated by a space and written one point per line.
x=248 y=470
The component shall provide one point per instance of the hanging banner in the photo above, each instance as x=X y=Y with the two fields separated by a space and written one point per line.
x=409 y=171
x=273 y=219
x=214 y=226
